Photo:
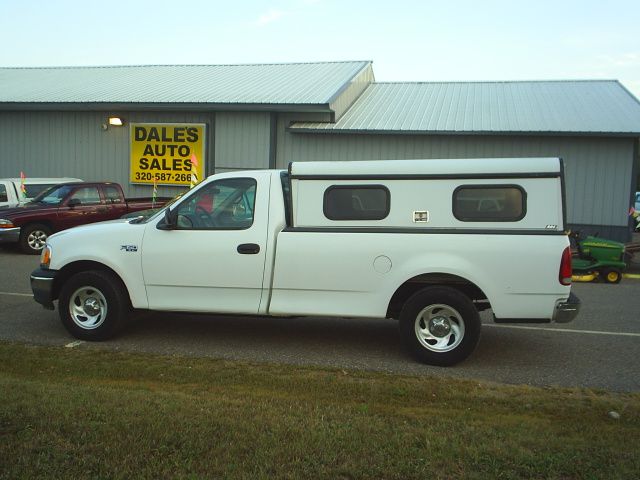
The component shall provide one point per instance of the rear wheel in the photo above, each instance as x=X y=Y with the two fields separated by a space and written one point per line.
x=93 y=305
x=33 y=237
x=611 y=275
x=440 y=326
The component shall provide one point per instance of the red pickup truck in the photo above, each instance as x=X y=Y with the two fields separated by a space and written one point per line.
x=64 y=206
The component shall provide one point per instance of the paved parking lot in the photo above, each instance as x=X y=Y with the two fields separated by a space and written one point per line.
x=601 y=349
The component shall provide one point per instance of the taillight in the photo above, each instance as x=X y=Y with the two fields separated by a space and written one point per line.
x=564 y=276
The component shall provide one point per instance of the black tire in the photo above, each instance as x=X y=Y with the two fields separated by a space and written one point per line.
x=33 y=237
x=454 y=334
x=611 y=275
x=94 y=305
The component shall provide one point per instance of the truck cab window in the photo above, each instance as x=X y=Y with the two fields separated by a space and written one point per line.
x=113 y=195
x=3 y=194
x=227 y=204
x=87 y=195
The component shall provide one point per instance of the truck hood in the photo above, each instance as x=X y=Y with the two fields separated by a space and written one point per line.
x=10 y=212
x=102 y=242
x=9 y=205
x=96 y=228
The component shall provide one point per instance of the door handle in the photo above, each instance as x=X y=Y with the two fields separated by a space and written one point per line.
x=248 y=248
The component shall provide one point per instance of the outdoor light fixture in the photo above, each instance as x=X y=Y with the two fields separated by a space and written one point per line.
x=116 y=121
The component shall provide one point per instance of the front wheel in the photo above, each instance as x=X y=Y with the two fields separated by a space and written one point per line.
x=440 y=326
x=33 y=238
x=93 y=305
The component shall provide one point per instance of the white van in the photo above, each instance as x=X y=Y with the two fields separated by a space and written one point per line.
x=11 y=193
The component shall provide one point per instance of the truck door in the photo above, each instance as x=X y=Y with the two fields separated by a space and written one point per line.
x=116 y=205
x=213 y=261
x=84 y=205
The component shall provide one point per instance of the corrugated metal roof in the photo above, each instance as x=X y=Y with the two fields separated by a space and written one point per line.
x=587 y=106
x=292 y=83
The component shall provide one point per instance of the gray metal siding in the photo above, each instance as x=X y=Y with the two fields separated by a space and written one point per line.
x=598 y=170
x=283 y=138
x=73 y=144
x=242 y=140
x=619 y=234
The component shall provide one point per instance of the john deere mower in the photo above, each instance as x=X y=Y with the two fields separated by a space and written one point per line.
x=597 y=257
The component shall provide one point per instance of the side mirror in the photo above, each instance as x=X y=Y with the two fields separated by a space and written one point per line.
x=74 y=202
x=168 y=222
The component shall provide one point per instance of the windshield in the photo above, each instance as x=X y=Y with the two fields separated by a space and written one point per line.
x=147 y=215
x=34 y=189
x=53 y=195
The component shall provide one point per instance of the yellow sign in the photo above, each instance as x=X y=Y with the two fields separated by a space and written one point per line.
x=168 y=154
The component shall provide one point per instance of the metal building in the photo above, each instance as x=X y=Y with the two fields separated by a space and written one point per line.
x=53 y=122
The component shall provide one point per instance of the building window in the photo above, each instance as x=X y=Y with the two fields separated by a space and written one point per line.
x=356 y=202
x=489 y=203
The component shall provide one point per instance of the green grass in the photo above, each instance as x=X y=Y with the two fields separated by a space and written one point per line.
x=88 y=413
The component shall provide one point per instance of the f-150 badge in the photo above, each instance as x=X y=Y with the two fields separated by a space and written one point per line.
x=129 y=248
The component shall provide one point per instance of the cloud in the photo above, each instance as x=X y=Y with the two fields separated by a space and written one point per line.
x=273 y=15
x=270 y=17
x=629 y=59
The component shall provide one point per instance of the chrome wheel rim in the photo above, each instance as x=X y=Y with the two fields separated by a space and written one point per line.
x=36 y=239
x=88 y=308
x=439 y=328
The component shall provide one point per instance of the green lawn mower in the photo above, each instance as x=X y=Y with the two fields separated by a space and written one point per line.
x=597 y=257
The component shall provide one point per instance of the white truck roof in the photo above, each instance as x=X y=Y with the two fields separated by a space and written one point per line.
x=43 y=180
x=428 y=166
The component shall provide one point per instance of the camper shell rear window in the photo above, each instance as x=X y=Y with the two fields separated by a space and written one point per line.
x=489 y=203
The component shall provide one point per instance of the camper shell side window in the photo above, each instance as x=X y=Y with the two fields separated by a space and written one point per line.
x=489 y=203
x=356 y=202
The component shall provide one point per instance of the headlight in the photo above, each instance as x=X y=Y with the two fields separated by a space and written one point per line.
x=6 y=223
x=45 y=257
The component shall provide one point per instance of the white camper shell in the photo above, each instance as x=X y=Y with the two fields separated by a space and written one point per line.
x=472 y=194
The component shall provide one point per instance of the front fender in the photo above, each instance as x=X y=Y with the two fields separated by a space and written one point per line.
x=115 y=245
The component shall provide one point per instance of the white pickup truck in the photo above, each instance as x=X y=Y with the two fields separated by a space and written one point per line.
x=428 y=242
x=11 y=194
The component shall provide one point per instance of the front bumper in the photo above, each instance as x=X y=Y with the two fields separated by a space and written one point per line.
x=567 y=310
x=9 y=235
x=42 y=287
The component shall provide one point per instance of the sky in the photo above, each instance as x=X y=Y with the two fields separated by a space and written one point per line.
x=406 y=40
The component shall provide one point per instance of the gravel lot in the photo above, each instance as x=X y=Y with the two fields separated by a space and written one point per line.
x=601 y=349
